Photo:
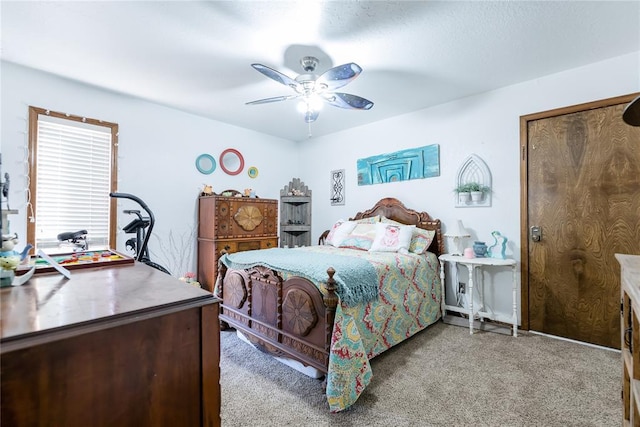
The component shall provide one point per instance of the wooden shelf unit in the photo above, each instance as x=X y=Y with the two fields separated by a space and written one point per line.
x=295 y=214
x=630 y=336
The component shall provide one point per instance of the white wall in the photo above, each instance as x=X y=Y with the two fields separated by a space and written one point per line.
x=486 y=125
x=157 y=151
x=158 y=147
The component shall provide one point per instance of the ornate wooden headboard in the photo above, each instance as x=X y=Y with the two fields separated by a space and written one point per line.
x=394 y=209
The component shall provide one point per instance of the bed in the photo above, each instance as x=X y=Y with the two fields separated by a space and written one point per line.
x=323 y=307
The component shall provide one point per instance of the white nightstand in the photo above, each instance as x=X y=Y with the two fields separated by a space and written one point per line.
x=472 y=264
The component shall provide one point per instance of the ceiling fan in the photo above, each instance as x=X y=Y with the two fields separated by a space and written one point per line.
x=314 y=90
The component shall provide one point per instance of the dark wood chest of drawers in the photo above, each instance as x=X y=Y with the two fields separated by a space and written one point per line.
x=112 y=346
x=232 y=224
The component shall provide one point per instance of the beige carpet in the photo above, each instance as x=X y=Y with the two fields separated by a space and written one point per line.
x=440 y=377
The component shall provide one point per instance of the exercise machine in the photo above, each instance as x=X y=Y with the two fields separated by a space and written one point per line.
x=141 y=226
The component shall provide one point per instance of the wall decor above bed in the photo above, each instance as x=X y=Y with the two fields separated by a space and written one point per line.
x=413 y=163
x=337 y=187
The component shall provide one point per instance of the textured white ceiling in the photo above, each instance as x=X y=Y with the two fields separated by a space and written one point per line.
x=195 y=56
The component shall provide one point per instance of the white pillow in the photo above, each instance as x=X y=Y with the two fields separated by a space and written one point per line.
x=392 y=238
x=339 y=231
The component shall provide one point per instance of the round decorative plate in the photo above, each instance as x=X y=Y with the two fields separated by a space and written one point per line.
x=253 y=172
x=205 y=163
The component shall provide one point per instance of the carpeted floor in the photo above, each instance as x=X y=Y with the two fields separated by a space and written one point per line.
x=440 y=377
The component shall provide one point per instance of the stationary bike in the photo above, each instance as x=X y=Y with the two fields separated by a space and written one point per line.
x=141 y=226
x=75 y=240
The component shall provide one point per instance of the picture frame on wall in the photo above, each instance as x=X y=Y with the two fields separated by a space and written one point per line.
x=337 y=187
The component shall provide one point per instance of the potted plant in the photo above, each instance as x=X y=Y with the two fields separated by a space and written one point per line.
x=464 y=193
x=477 y=190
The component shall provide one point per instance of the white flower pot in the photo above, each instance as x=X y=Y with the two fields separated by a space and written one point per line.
x=476 y=196
x=464 y=197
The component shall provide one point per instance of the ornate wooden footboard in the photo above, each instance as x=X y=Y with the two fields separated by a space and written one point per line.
x=291 y=318
x=286 y=318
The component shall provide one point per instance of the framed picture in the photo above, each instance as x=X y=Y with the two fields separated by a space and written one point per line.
x=337 y=187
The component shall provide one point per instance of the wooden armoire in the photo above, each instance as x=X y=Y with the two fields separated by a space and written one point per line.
x=232 y=224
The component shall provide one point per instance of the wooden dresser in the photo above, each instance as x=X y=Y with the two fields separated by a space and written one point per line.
x=630 y=345
x=232 y=224
x=112 y=346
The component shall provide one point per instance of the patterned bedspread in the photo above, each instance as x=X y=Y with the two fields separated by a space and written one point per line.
x=409 y=301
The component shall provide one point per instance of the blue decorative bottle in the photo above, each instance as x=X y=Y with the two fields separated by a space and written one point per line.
x=480 y=249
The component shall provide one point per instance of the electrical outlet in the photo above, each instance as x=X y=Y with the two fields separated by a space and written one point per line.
x=462 y=287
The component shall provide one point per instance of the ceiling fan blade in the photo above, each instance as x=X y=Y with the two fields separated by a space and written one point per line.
x=311 y=116
x=277 y=76
x=338 y=76
x=346 y=100
x=274 y=99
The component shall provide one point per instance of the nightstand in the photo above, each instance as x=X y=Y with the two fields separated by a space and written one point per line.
x=472 y=265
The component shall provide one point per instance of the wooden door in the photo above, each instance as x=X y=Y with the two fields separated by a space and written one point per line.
x=581 y=186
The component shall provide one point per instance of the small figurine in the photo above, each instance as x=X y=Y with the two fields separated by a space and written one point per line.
x=9 y=242
x=10 y=259
x=190 y=278
x=207 y=190
x=499 y=247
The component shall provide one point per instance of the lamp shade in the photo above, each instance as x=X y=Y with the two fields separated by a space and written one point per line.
x=458 y=231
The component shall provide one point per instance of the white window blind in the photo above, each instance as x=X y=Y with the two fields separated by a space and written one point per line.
x=73 y=181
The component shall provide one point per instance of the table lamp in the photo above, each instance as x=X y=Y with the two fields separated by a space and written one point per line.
x=458 y=234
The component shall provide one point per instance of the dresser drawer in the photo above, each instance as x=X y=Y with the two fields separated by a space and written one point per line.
x=239 y=245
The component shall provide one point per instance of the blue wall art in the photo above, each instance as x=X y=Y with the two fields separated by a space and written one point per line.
x=413 y=163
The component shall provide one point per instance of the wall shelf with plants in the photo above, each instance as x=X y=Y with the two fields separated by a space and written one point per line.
x=473 y=184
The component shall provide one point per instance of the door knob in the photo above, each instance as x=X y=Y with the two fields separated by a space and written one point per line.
x=536 y=233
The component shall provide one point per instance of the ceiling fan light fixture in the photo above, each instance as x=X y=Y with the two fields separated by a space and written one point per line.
x=309 y=63
x=315 y=102
x=310 y=102
x=314 y=91
x=302 y=107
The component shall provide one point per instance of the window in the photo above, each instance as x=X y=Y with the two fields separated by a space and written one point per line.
x=72 y=170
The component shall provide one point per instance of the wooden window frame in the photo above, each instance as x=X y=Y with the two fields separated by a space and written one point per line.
x=34 y=113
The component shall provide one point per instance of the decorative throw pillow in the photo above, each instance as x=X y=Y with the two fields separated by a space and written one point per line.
x=338 y=232
x=369 y=220
x=390 y=221
x=392 y=238
x=421 y=240
x=361 y=237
